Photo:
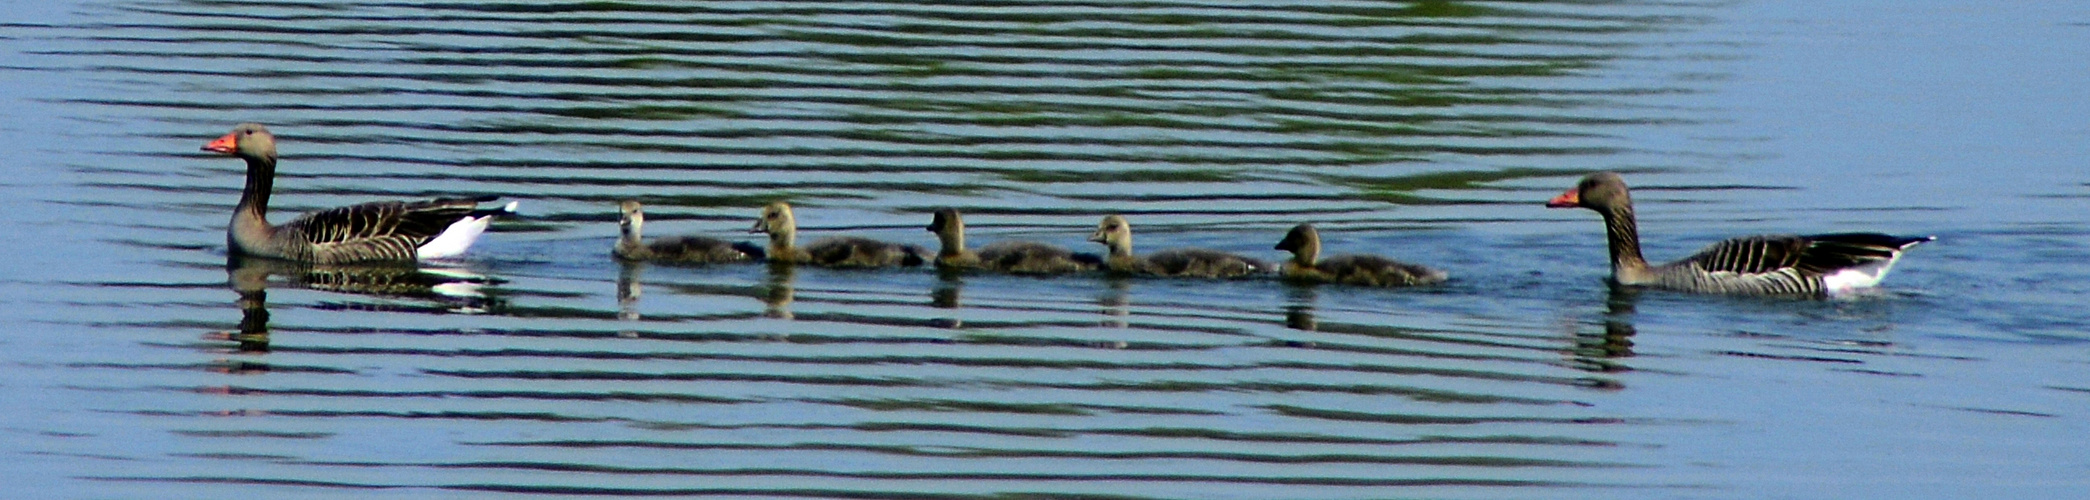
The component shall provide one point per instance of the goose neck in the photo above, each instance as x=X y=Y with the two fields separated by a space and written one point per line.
x=1623 y=232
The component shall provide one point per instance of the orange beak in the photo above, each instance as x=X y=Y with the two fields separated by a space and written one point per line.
x=1570 y=199
x=227 y=144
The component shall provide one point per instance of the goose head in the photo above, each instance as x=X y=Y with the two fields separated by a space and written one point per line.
x=248 y=140
x=1601 y=191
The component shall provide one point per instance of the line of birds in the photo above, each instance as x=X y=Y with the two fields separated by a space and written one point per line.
x=396 y=231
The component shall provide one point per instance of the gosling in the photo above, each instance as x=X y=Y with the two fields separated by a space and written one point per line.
x=833 y=251
x=1014 y=257
x=678 y=249
x=1116 y=234
x=1354 y=269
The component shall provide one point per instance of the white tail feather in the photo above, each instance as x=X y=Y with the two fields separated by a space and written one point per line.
x=455 y=239
x=459 y=236
x=1857 y=278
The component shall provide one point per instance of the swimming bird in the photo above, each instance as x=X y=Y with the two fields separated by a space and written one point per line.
x=685 y=249
x=1820 y=264
x=375 y=231
x=833 y=251
x=1018 y=257
x=1355 y=269
x=1116 y=234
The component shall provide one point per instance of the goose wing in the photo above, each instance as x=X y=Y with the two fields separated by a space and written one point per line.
x=1815 y=255
x=383 y=230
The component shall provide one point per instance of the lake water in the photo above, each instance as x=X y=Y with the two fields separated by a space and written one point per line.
x=137 y=364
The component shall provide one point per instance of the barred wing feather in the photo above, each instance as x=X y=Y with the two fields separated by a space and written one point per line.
x=385 y=230
x=1814 y=255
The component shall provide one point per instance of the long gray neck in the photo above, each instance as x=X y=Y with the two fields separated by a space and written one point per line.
x=261 y=179
x=1623 y=231
x=250 y=230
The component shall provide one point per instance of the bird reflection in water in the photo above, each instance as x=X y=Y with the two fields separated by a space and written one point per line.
x=1114 y=301
x=1299 y=308
x=455 y=290
x=1600 y=352
x=945 y=296
x=628 y=292
x=776 y=296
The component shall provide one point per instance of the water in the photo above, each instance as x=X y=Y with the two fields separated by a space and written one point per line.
x=139 y=365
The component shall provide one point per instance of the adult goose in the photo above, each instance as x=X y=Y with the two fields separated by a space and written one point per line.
x=375 y=231
x=1017 y=257
x=683 y=249
x=833 y=251
x=1355 y=269
x=1116 y=234
x=1821 y=264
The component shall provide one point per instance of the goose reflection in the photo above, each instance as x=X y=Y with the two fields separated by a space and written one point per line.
x=1600 y=352
x=457 y=289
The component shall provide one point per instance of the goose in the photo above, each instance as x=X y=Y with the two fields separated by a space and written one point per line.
x=1116 y=234
x=833 y=251
x=1820 y=264
x=686 y=249
x=375 y=231
x=1018 y=257
x=1356 y=269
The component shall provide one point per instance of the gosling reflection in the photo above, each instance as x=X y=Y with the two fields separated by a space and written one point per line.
x=1115 y=302
x=776 y=296
x=457 y=289
x=945 y=294
x=628 y=292
x=949 y=282
x=1299 y=309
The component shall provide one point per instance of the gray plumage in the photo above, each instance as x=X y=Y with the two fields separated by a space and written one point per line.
x=1356 y=269
x=1781 y=264
x=1822 y=264
x=376 y=231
